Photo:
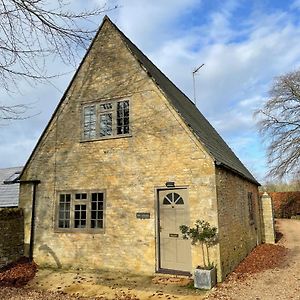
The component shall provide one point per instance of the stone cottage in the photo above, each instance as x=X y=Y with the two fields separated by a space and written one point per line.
x=125 y=159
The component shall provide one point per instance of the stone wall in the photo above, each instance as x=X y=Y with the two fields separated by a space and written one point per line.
x=268 y=226
x=12 y=235
x=238 y=234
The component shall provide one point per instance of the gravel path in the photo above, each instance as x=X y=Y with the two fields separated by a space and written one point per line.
x=281 y=283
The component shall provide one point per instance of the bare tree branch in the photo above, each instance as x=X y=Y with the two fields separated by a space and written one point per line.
x=279 y=124
x=31 y=31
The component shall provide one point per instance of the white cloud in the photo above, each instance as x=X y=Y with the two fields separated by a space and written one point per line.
x=151 y=22
x=296 y=5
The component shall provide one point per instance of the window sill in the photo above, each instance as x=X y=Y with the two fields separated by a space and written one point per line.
x=106 y=138
x=84 y=231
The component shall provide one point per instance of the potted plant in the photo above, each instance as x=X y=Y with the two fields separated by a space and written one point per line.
x=205 y=277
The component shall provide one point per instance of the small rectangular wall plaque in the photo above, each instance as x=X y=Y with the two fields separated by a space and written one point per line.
x=143 y=215
x=173 y=235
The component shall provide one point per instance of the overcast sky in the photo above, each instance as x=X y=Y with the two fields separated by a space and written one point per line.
x=243 y=44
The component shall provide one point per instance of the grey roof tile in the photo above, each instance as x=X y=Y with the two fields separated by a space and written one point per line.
x=9 y=193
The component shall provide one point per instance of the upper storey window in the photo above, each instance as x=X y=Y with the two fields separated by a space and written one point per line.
x=105 y=120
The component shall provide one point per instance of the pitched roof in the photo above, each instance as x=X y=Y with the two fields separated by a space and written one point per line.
x=209 y=137
x=9 y=188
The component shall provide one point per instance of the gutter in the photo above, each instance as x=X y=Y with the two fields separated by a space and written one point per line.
x=32 y=227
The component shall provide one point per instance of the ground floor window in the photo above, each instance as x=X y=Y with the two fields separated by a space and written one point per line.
x=80 y=211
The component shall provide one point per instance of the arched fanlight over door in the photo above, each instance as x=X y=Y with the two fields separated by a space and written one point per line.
x=173 y=199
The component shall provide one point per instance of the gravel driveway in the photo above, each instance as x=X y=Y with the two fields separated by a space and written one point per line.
x=276 y=284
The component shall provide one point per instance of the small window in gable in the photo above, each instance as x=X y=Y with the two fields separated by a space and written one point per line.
x=106 y=120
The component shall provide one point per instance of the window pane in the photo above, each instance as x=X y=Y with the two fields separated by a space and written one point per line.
x=94 y=196
x=168 y=199
x=93 y=223
x=123 y=117
x=99 y=224
x=77 y=215
x=77 y=224
x=105 y=106
x=89 y=126
x=82 y=196
x=105 y=124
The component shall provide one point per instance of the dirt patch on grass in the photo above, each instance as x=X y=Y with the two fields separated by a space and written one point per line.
x=18 y=274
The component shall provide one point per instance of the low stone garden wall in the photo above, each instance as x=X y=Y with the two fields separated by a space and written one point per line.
x=11 y=235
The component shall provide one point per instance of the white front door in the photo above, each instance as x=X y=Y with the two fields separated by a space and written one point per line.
x=175 y=252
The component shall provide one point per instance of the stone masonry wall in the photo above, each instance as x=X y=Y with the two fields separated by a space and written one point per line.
x=130 y=169
x=12 y=235
x=268 y=226
x=238 y=235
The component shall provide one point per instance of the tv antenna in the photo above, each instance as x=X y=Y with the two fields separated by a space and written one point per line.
x=194 y=85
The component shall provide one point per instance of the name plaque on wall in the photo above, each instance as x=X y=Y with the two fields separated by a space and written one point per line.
x=143 y=215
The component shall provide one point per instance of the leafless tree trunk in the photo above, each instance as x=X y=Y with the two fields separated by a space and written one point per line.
x=279 y=124
x=31 y=31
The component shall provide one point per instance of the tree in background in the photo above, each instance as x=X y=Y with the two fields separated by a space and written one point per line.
x=32 y=31
x=281 y=186
x=279 y=124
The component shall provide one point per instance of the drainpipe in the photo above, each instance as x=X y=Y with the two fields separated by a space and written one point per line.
x=32 y=227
